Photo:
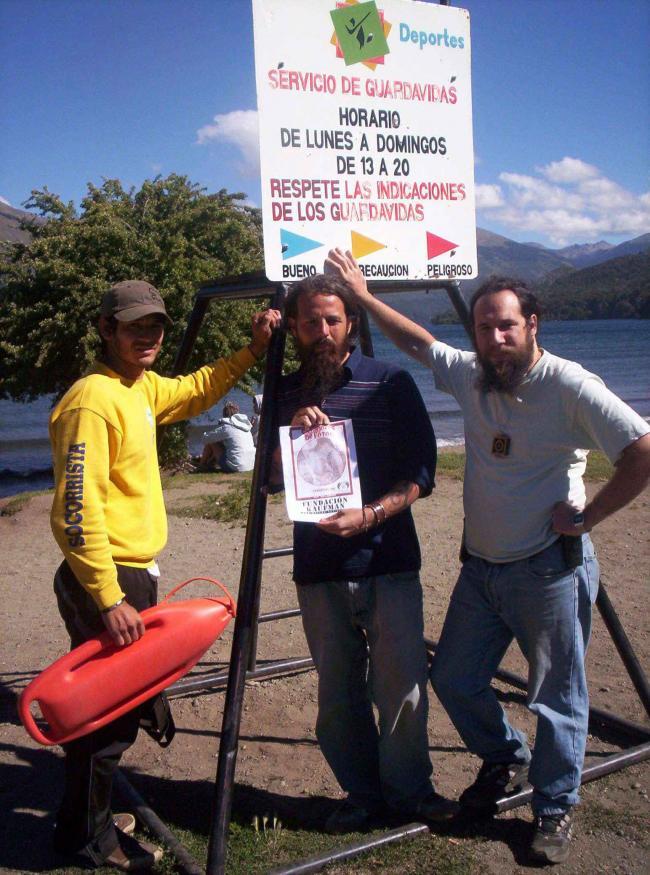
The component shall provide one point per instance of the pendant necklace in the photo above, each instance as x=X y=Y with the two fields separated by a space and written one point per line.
x=501 y=441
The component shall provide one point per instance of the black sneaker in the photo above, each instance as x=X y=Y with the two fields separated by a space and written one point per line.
x=435 y=807
x=493 y=782
x=551 y=838
x=350 y=817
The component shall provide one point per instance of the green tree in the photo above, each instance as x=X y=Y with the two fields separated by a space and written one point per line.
x=170 y=233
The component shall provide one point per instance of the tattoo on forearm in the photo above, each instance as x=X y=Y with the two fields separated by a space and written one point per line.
x=401 y=496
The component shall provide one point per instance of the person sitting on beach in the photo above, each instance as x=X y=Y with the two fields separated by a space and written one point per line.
x=357 y=571
x=257 y=415
x=108 y=517
x=529 y=570
x=230 y=446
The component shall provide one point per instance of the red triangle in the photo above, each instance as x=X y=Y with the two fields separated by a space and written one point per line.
x=438 y=245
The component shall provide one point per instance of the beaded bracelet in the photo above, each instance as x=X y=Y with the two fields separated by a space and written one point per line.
x=372 y=508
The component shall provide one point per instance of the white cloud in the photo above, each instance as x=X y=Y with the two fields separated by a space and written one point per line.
x=568 y=170
x=603 y=194
x=566 y=201
x=528 y=191
x=488 y=197
x=3 y=200
x=241 y=129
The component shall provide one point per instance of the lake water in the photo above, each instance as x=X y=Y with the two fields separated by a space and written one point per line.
x=616 y=350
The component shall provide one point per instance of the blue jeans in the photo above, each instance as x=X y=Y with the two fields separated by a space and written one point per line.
x=547 y=609
x=366 y=637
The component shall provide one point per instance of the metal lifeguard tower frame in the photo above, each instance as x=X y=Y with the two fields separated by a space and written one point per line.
x=243 y=661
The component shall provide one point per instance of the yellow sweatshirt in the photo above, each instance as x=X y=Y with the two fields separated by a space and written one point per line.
x=108 y=502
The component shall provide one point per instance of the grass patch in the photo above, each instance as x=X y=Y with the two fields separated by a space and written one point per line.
x=18 y=502
x=426 y=853
x=251 y=851
x=255 y=849
x=225 y=507
x=172 y=480
x=452 y=464
x=229 y=507
x=598 y=467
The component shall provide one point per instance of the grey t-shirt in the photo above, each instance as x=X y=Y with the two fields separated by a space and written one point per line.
x=556 y=416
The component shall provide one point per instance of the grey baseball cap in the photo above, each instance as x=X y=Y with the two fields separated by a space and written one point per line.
x=131 y=300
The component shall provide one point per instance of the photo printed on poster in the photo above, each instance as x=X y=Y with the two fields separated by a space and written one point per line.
x=320 y=469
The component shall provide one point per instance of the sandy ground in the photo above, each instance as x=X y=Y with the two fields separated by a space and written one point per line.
x=279 y=768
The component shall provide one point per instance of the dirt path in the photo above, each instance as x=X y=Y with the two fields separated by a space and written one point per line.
x=279 y=766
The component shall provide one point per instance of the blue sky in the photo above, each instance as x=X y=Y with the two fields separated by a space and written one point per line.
x=135 y=88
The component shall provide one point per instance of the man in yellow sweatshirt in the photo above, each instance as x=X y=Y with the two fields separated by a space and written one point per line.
x=108 y=517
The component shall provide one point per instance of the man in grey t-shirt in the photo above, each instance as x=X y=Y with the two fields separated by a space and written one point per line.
x=529 y=570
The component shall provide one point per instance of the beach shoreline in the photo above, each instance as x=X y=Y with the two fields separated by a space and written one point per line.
x=618 y=350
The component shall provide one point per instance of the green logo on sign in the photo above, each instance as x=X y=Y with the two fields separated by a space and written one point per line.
x=360 y=32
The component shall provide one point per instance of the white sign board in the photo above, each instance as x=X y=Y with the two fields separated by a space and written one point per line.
x=321 y=474
x=365 y=113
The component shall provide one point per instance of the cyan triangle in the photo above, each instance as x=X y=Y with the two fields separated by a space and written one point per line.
x=295 y=244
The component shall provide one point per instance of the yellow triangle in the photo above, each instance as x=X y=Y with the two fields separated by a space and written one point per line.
x=364 y=245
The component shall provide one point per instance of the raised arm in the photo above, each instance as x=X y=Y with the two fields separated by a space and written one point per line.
x=186 y=396
x=407 y=335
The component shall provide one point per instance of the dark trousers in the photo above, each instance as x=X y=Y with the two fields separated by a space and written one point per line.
x=84 y=822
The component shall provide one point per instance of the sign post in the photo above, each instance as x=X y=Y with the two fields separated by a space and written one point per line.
x=366 y=137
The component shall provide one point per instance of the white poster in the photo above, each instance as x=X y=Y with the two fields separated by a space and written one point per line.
x=365 y=112
x=320 y=470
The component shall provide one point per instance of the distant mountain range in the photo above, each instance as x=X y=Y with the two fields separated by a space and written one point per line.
x=582 y=255
x=591 y=280
x=532 y=261
x=10 y=219
x=558 y=274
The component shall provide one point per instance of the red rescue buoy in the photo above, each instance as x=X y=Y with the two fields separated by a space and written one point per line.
x=99 y=681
